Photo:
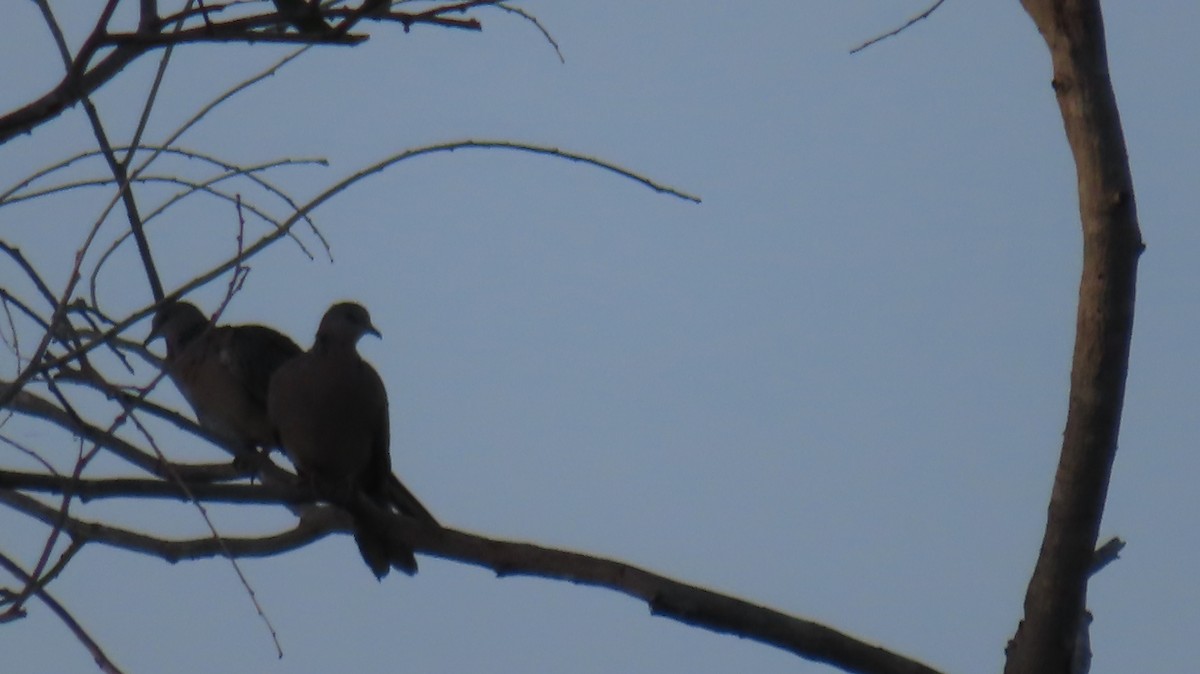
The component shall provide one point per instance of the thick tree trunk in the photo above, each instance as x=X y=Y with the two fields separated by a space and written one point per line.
x=1054 y=602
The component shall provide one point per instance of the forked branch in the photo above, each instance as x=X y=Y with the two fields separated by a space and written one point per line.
x=665 y=597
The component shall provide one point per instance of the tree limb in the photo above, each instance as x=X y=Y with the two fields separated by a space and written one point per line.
x=89 y=489
x=28 y=404
x=1057 y=592
x=665 y=597
x=321 y=523
x=83 y=78
x=672 y=599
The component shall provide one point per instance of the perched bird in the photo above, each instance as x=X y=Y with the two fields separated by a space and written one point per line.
x=330 y=411
x=223 y=372
x=304 y=15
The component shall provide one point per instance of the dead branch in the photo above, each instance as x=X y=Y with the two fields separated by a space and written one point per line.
x=665 y=597
x=896 y=31
x=85 y=76
x=1055 y=600
x=102 y=660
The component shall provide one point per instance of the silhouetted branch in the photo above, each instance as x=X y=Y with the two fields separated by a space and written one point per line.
x=84 y=76
x=18 y=257
x=118 y=168
x=1106 y=554
x=29 y=404
x=897 y=31
x=668 y=598
x=102 y=660
x=536 y=24
x=91 y=489
x=321 y=523
x=1055 y=600
x=329 y=193
x=665 y=597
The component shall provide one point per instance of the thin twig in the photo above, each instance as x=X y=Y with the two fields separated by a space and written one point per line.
x=117 y=167
x=192 y=188
x=536 y=23
x=19 y=257
x=19 y=191
x=328 y=194
x=28 y=404
x=152 y=96
x=102 y=660
x=521 y=147
x=212 y=529
x=269 y=71
x=31 y=453
x=897 y=31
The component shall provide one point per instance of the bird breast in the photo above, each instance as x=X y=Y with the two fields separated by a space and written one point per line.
x=326 y=424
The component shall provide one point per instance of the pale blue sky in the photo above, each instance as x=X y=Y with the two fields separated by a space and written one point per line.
x=836 y=387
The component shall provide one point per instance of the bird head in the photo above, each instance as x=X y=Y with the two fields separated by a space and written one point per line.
x=346 y=322
x=177 y=322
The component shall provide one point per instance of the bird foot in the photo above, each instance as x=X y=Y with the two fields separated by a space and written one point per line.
x=250 y=463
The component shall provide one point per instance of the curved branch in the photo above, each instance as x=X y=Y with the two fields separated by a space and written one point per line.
x=544 y=150
x=321 y=523
x=82 y=80
x=536 y=24
x=28 y=404
x=1045 y=641
x=67 y=93
x=666 y=597
x=102 y=660
x=669 y=598
x=896 y=31
x=312 y=204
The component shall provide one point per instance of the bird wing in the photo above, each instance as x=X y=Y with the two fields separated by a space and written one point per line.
x=252 y=353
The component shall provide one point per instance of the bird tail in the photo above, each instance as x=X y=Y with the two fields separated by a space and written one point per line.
x=404 y=501
x=377 y=544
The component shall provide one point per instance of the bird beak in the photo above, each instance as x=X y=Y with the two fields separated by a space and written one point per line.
x=372 y=330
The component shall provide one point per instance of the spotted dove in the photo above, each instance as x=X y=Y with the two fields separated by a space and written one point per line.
x=223 y=372
x=330 y=409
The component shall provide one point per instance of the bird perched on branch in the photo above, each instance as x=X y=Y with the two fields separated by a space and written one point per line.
x=223 y=372
x=330 y=411
x=304 y=15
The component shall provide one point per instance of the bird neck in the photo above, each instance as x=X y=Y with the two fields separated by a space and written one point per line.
x=188 y=335
x=327 y=343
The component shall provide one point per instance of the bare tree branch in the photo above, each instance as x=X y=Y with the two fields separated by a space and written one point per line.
x=1106 y=554
x=17 y=256
x=310 y=528
x=27 y=403
x=102 y=660
x=1055 y=600
x=665 y=597
x=120 y=174
x=672 y=599
x=896 y=31
x=312 y=204
x=84 y=76
x=536 y=24
x=90 y=489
